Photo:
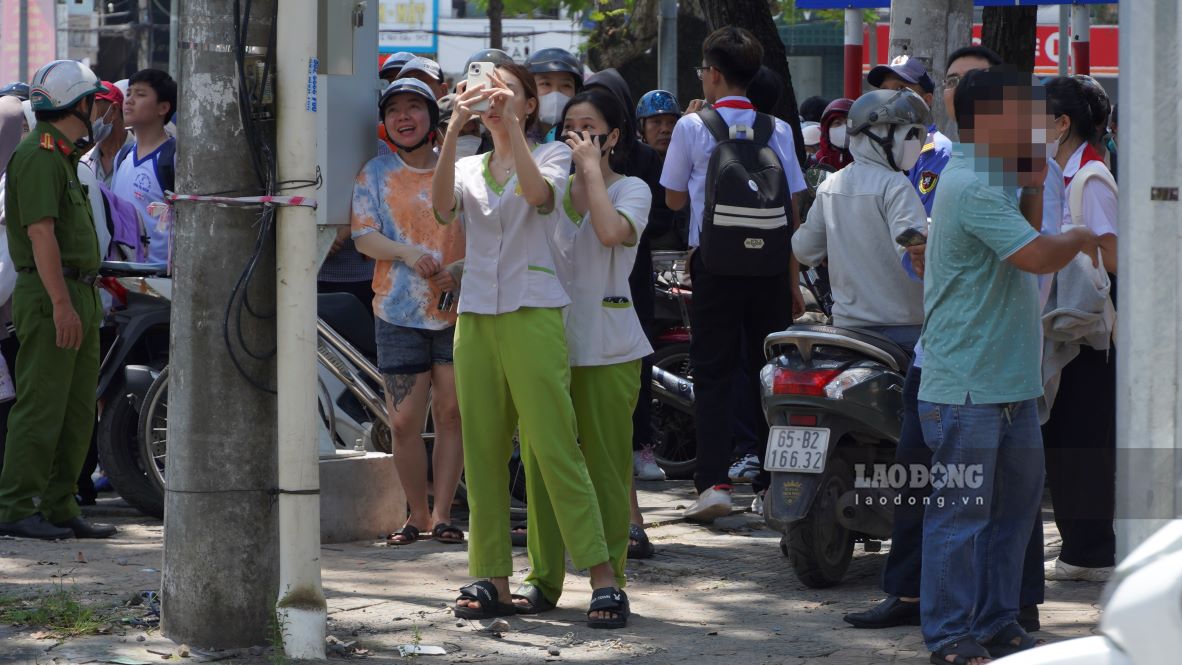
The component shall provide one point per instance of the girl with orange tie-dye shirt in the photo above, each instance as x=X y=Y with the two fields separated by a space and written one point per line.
x=417 y=264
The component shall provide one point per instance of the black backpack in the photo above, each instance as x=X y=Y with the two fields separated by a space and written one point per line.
x=746 y=229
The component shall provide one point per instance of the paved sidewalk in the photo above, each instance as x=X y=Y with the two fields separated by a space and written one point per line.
x=718 y=595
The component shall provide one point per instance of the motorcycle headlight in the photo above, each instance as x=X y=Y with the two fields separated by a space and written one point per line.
x=836 y=388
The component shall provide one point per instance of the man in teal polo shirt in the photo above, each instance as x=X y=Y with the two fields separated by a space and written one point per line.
x=981 y=373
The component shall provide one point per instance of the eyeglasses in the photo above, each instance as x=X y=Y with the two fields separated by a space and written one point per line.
x=702 y=70
x=951 y=81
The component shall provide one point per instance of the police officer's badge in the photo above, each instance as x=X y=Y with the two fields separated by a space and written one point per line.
x=927 y=182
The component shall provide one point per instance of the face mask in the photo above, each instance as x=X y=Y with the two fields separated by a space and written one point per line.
x=102 y=129
x=601 y=141
x=550 y=107
x=838 y=138
x=467 y=145
x=911 y=150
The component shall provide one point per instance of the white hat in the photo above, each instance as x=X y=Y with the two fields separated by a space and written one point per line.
x=811 y=132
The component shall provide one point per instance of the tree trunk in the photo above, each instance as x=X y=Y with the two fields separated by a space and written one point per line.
x=1012 y=32
x=496 y=11
x=757 y=18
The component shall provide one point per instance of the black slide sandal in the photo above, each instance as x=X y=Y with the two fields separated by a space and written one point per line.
x=538 y=602
x=1002 y=644
x=408 y=534
x=446 y=533
x=485 y=593
x=612 y=600
x=642 y=548
x=963 y=652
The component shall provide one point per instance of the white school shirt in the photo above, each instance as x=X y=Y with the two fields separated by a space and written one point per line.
x=689 y=153
x=509 y=262
x=602 y=327
x=135 y=182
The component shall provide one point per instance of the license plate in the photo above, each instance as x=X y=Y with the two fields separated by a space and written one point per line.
x=798 y=449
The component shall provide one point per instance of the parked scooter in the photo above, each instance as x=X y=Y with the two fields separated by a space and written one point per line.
x=1142 y=619
x=833 y=398
x=674 y=437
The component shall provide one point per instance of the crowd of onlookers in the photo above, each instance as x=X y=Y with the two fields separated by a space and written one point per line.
x=504 y=234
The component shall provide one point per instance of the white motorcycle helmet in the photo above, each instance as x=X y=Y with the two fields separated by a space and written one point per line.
x=60 y=84
x=896 y=120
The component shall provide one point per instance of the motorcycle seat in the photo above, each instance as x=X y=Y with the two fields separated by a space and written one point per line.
x=345 y=314
x=901 y=358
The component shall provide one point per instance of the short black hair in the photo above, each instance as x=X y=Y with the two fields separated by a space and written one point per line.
x=813 y=108
x=161 y=83
x=1067 y=96
x=983 y=52
x=765 y=90
x=734 y=52
x=982 y=90
x=613 y=113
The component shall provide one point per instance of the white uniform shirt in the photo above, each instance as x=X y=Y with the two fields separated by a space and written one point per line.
x=602 y=327
x=136 y=182
x=689 y=153
x=1100 y=208
x=509 y=262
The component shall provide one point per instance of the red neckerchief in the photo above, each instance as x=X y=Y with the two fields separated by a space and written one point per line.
x=734 y=104
x=1090 y=154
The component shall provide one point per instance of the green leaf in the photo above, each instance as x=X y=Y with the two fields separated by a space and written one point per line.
x=597 y=16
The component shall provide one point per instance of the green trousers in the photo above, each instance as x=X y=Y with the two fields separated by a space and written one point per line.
x=51 y=422
x=604 y=398
x=513 y=369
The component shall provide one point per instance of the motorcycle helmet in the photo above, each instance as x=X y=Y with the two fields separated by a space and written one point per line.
x=18 y=89
x=657 y=102
x=556 y=60
x=413 y=87
x=890 y=118
x=394 y=64
x=60 y=84
x=493 y=55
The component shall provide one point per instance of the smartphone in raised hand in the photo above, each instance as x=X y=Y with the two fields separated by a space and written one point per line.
x=480 y=73
x=911 y=238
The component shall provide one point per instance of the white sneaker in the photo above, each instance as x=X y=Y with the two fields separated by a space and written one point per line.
x=711 y=504
x=745 y=469
x=757 y=504
x=1059 y=571
x=644 y=465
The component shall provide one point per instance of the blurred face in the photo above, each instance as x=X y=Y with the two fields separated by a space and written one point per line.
x=657 y=131
x=555 y=82
x=957 y=69
x=141 y=106
x=586 y=118
x=407 y=119
x=1012 y=132
x=522 y=104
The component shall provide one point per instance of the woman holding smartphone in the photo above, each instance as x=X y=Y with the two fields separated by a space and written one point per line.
x=510 y=352
x=602 y=218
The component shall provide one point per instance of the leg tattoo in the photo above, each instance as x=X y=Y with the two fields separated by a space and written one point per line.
x=399 y=387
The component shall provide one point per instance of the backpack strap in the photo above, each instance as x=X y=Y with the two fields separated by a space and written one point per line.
x=715 y=124
x=122 y=154
x=166 y=166
x=765 y=126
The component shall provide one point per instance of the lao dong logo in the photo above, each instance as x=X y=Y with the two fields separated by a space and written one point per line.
x=918 y=476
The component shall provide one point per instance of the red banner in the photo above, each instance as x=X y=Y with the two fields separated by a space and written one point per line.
x=1105 y=47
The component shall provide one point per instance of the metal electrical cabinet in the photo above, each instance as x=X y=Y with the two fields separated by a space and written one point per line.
x=346 y=102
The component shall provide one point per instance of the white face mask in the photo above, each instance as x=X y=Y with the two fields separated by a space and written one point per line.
x=911 y=150
x=550 y=107
x=467 y=145
x=838 y=138
x=100 y=130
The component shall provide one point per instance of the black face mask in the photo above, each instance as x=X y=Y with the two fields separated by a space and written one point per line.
x=601 y=141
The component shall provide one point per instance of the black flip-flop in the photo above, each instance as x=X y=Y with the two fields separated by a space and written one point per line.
x=408 y=533
x=611 y=600
x=1002 y=644
x=538 y=602
x=485 y=593
x=441 y=531
x=642 y=548
x=963 y=652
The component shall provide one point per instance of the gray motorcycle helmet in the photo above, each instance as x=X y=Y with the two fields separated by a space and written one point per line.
x=889 y=109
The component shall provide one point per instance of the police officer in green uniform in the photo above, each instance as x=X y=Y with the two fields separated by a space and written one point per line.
x=56 y=310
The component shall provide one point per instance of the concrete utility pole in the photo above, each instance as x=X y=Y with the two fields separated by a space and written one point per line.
x=1081 y=39
x=852 y=44
x=301 y=604
x=23 y=42
x=144 y=34
x=1064 y=38
x=220 y=517
x=1149 y=328
x=930 y=30
x=667 y=48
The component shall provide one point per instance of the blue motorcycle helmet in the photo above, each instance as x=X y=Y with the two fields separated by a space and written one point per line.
x=657 y=102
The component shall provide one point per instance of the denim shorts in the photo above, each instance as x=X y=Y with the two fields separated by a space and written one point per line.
x=403 y=350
